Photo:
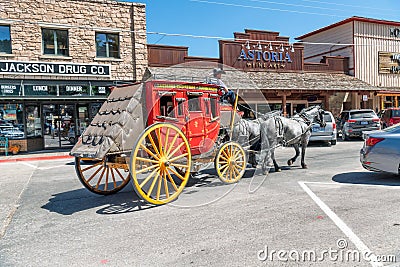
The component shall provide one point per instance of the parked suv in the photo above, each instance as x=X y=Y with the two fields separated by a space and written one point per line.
x=390 y=116
x=327 y=133
x=351 y=123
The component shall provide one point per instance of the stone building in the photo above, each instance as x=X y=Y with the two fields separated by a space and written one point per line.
x=59 y=61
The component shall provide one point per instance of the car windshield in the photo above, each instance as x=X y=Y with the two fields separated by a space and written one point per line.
x=396 y=113
x=362 y=114
x=393 y=129
x=327 y=118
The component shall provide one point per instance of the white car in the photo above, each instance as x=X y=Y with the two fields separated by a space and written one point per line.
x=327 y=133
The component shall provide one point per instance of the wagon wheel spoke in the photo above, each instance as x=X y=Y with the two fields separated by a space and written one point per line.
x=178 y=157
x=177 y=148
x=169 y=149
x=99 y=177
x=154 y=145
x=171 y=180
x=149 y=177
x=159 y=141
x=172 y=144
x=165 y=185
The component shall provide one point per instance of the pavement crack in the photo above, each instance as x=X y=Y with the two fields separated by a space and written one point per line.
x=7 y=221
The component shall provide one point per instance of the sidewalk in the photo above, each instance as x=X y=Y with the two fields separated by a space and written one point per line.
x=36 y=155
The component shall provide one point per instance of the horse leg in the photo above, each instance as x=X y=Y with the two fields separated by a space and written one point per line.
x=277 y=168
x=252 y=159
x=265 y=150
x=303 y=154
x=292 y=160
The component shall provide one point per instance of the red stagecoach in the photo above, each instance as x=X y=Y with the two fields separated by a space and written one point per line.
x=157 y=133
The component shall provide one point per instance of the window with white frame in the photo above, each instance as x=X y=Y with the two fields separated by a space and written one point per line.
x=107 y=45
x=5 y=39
x=55 y=42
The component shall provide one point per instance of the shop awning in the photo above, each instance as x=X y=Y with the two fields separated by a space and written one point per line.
x=236 y=79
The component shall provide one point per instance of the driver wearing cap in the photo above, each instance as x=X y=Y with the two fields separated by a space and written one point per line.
x=226 y=94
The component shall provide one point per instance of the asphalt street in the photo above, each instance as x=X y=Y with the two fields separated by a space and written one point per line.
x=333 y=210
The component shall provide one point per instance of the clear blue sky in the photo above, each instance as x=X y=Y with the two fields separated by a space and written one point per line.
x=220 y=18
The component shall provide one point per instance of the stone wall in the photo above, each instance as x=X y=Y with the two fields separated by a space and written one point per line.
x=82 y=19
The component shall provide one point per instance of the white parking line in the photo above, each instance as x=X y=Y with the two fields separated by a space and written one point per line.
x=341 y=225
x=362 y=185
x=42 y=168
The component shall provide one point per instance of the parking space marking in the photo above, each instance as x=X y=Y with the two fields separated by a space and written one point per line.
x=42 y=168
x=362 y=185
x=341 y=225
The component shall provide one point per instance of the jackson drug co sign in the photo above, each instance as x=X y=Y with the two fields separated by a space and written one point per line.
x=46 y=68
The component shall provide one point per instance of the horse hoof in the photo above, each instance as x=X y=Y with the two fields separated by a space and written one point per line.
x=278 y=170
x=304 y=166
x=289 y=162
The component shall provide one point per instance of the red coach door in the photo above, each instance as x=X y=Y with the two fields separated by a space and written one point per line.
x=195 y=125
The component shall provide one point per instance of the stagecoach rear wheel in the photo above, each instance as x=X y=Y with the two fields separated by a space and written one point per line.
x=159 y=150
x=230 y=162
x=101 y=176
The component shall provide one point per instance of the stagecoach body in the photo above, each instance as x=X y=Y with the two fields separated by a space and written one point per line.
x=151 y=132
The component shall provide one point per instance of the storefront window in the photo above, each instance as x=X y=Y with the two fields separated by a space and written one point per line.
x=5 y=39
x=40 y=90
x=11 y=121
x=33 y=124
x=74 y=90
x=263 y=108
x=101 y=90
x=10 y=90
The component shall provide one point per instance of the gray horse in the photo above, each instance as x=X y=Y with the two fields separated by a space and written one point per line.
x=247 y=133
x=294 y=131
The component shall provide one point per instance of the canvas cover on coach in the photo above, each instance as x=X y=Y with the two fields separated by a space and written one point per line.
x=116 y=126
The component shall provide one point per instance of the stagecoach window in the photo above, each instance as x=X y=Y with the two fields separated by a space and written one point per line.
x=180 y=106
x=166 y=106
x=194 y=103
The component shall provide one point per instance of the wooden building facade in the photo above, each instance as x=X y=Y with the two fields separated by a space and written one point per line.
x=263 y=63
x=373 y=49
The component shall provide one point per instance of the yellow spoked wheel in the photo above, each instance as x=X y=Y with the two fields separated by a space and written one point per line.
x=159 y=150
x=102 y=176
x=230 y=162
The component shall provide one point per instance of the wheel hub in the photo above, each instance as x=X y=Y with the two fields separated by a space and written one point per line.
x=164 y=163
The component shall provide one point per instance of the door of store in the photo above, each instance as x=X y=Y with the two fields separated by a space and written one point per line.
x=59 y=125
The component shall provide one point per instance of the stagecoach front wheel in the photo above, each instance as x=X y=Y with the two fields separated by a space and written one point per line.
x=230 y=162
x=159 y=151
x=102 y=176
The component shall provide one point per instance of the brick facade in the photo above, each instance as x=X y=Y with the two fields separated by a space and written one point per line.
x=82 y=19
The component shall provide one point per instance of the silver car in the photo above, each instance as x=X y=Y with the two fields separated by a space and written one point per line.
x=381 y=151
x=327 y=133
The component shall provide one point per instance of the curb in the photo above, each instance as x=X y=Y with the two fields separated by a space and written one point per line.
x=36 y=158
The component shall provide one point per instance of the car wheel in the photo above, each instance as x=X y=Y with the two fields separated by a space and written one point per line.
x=333 y=142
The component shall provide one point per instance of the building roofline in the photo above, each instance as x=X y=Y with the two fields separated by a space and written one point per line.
x=352 y=19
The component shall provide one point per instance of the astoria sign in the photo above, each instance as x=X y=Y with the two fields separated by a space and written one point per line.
x=258 y=58
x=46 y=68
